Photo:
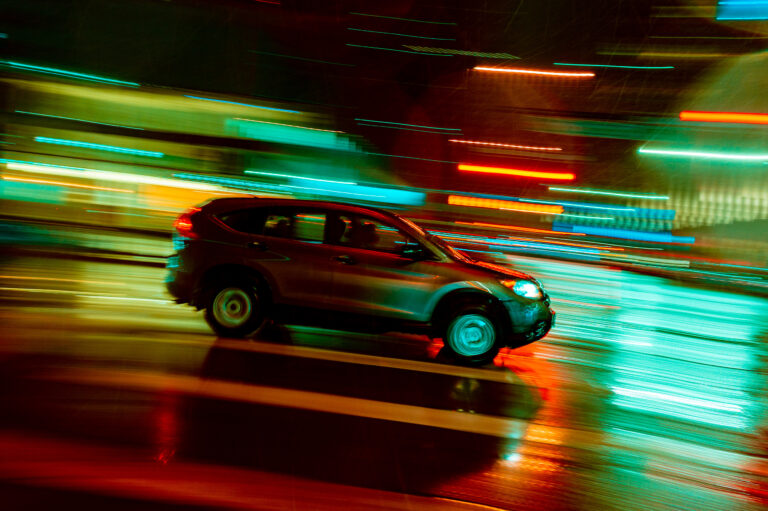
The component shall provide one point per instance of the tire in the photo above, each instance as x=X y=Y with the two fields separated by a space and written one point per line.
x=472 y=335
x=236 y=309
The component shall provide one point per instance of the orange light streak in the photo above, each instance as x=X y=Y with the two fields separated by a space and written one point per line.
x=61 y=183
x=511 y=146
x=476 y=202
x=559 y=176
x=734 y=117
x=518 y=228
x=537 y=72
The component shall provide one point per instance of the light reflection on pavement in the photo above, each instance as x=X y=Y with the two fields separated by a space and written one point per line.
x=647 y=394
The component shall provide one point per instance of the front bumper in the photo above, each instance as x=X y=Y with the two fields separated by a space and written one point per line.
x=529 y=322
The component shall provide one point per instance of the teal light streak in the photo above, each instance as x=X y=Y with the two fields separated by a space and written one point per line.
x=244 y=104
x=704 y=154
x=609 y=65
x=402 y=128
x=583 y=217
x=604 y=192
x=403 y=19
x=301 y=58
x=403 y=35
x=99 y=147
x=399 y=51
x=75 y=119
x=410 y=157
x=404 y=124
x=70 y=74
x=273 y=174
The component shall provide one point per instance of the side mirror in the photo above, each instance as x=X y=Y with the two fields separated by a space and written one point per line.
x=415 y=252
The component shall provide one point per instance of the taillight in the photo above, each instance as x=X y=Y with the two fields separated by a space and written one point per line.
x=183 y=224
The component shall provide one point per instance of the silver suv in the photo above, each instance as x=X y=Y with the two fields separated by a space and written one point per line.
x=248 y=261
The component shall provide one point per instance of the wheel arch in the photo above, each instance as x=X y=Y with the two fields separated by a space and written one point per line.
x=463 y=296
x=221 y=272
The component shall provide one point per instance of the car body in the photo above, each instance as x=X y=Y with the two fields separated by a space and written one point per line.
x=248 y=260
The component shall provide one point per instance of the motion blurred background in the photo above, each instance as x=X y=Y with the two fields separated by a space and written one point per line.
x=522 y=127
x=616 y=150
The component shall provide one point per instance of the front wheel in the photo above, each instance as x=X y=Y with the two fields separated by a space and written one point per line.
x=472 y=335
x=236 y=310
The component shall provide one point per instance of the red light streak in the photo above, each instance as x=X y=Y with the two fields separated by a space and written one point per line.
x=559 y=176
x=732 y=117
x=511 y=146
x=536 y=72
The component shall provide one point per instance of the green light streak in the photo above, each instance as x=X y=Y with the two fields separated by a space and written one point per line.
x=301 y=58
x=401 y=128
x=404 y=35
x=69 y=74
x=609 y=65
x=403 y=19
x=399 y=51
x=78 y=120
x=470 y=53
x=704 y=154
x=243 y=104
x=411 y=157
x=604 y=192
x=272 y=174
x=404 y=124
x=98 y=147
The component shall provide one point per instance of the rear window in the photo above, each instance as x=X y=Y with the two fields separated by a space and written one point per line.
x=250 y=221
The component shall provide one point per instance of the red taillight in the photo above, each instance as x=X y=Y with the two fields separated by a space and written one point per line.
x=183 y=224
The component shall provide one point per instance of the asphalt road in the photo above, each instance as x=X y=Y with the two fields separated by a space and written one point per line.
x=648 y=394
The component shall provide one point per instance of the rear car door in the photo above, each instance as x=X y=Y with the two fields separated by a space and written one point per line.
x=285 y=245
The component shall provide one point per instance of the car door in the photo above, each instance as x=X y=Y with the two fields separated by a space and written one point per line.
x=286 y=246
x=372 y=277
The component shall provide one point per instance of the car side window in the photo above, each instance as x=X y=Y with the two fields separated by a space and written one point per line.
x=249 y=221
x=364 y=232
x=298 y=225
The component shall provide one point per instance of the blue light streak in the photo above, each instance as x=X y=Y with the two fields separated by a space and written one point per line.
x=98 y=147
x=244 y=104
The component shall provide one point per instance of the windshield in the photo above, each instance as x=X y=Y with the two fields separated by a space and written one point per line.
x=461 y=256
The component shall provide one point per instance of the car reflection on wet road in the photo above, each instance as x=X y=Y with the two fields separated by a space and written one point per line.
x=647 y=394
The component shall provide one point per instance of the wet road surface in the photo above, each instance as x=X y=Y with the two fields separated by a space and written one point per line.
x=648 y=394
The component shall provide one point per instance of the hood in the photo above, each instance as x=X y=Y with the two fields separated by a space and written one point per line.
x=502 y=271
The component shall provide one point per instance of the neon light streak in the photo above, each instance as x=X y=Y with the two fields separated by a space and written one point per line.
x=452 y=51
x=660 y=396
x=511 y=146
x=61 y=183
x=272 y=174
x=582 y=217
x=404 y=124
x=288 y=125
x=403 y=19
x=404 y=35
x=78 y=120
x=518 y=228
x=731 y=117
x=704 y=154
x=98 y=147
x=560 y=176
x=60 y=170
x=536 y=72
x=396 y=50
x=408 y=157
x=652 y=237
x=404 y=128
x=475 y=202
x=244 y=104
x=610 y=193
x=69 y=74
x=611 y=66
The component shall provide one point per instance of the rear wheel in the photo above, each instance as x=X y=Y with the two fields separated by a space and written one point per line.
x=472 y=335
x=236 y=309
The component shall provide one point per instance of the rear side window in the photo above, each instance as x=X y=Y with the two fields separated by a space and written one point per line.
x=298 y=225
x=249 y=221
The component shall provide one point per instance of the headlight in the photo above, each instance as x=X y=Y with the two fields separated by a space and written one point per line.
x=524 y=288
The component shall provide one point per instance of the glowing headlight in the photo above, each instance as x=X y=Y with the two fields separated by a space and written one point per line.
x=524 y=288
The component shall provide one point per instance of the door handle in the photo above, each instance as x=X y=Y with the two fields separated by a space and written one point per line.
x=258 y=245
x=345 y=259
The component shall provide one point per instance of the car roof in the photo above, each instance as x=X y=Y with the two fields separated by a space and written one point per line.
x=224 y=204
